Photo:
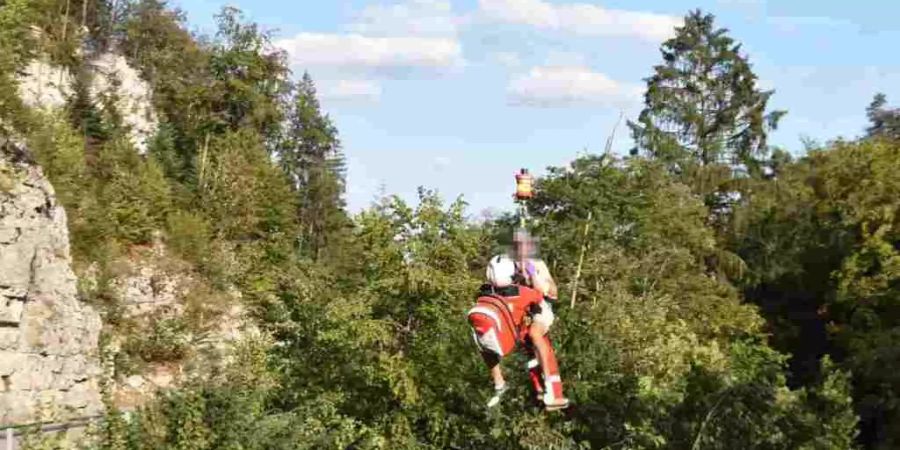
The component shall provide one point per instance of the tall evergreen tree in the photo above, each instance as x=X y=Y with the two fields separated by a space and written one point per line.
x=884 y=121
x=311 y=155
x=704 y=115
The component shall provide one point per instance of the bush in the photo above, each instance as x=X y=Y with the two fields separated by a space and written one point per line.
x=134 y=194
x=59 y=149
x=164 y=338
x=188 y=234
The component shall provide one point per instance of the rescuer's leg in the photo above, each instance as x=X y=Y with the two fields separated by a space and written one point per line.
x=537 y=331
x=553 y=394
x=537 y=380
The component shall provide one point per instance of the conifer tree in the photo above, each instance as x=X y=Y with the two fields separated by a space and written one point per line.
x=884 y=121
x=311 y=155
x=704 y=115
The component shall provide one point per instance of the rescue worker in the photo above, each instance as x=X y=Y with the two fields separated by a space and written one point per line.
x=501 y=319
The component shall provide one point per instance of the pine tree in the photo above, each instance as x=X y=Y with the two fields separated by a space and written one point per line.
x=311 y=155
x=885 y=122
x=704 y=116
x=85 y=114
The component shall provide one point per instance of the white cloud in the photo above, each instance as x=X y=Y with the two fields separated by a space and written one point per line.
x=550 y=86
x=581 y=19
x=424 y=18
x=356 y=91
x=396 y=40
x=357 y=52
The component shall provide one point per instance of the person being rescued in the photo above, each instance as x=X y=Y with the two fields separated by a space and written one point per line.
x=531 y=271
x=508 y=313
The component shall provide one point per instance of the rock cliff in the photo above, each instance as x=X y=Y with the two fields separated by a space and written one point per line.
x=49 y=362
x=45 y=86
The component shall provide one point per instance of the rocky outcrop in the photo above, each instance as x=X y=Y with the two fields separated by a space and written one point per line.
x=45 y=86
x=114 y=76
x=155 y=287
x=49 y=362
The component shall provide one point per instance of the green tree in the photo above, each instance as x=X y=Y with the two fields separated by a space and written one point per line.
x=244 y=195
x=883 y=121
x=59 y=149
x=85 y=114
x=311 y=155
x=250 y=77
x=821 y=244
x=205 y=87
x=863 y=187
x=18 y=45
x=704 y=115
x=156 y=41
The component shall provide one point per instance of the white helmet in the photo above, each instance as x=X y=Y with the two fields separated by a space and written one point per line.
x=500 y=271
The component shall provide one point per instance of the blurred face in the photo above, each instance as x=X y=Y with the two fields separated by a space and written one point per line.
x=523 y=246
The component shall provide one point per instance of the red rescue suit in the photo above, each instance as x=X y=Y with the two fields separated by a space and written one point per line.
x=498 y=325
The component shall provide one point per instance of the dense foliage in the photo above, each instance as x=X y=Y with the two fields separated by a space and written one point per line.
x=775 y=325
x=822 y=246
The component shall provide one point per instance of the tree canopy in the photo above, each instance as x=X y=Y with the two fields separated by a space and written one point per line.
x=729 y=295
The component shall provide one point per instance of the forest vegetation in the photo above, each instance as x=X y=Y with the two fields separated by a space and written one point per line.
x=733 y=295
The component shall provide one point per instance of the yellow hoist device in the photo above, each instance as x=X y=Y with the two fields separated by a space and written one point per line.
x=524 y=192
x=524 y=185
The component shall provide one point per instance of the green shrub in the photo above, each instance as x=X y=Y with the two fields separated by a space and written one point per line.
x=136 y=197
x=163 y=339
x=59 y=150
x=188 y=234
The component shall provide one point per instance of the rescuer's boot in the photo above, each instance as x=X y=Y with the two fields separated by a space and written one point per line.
x=553 y=404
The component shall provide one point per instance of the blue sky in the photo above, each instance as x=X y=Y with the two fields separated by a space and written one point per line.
x=456 y=95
